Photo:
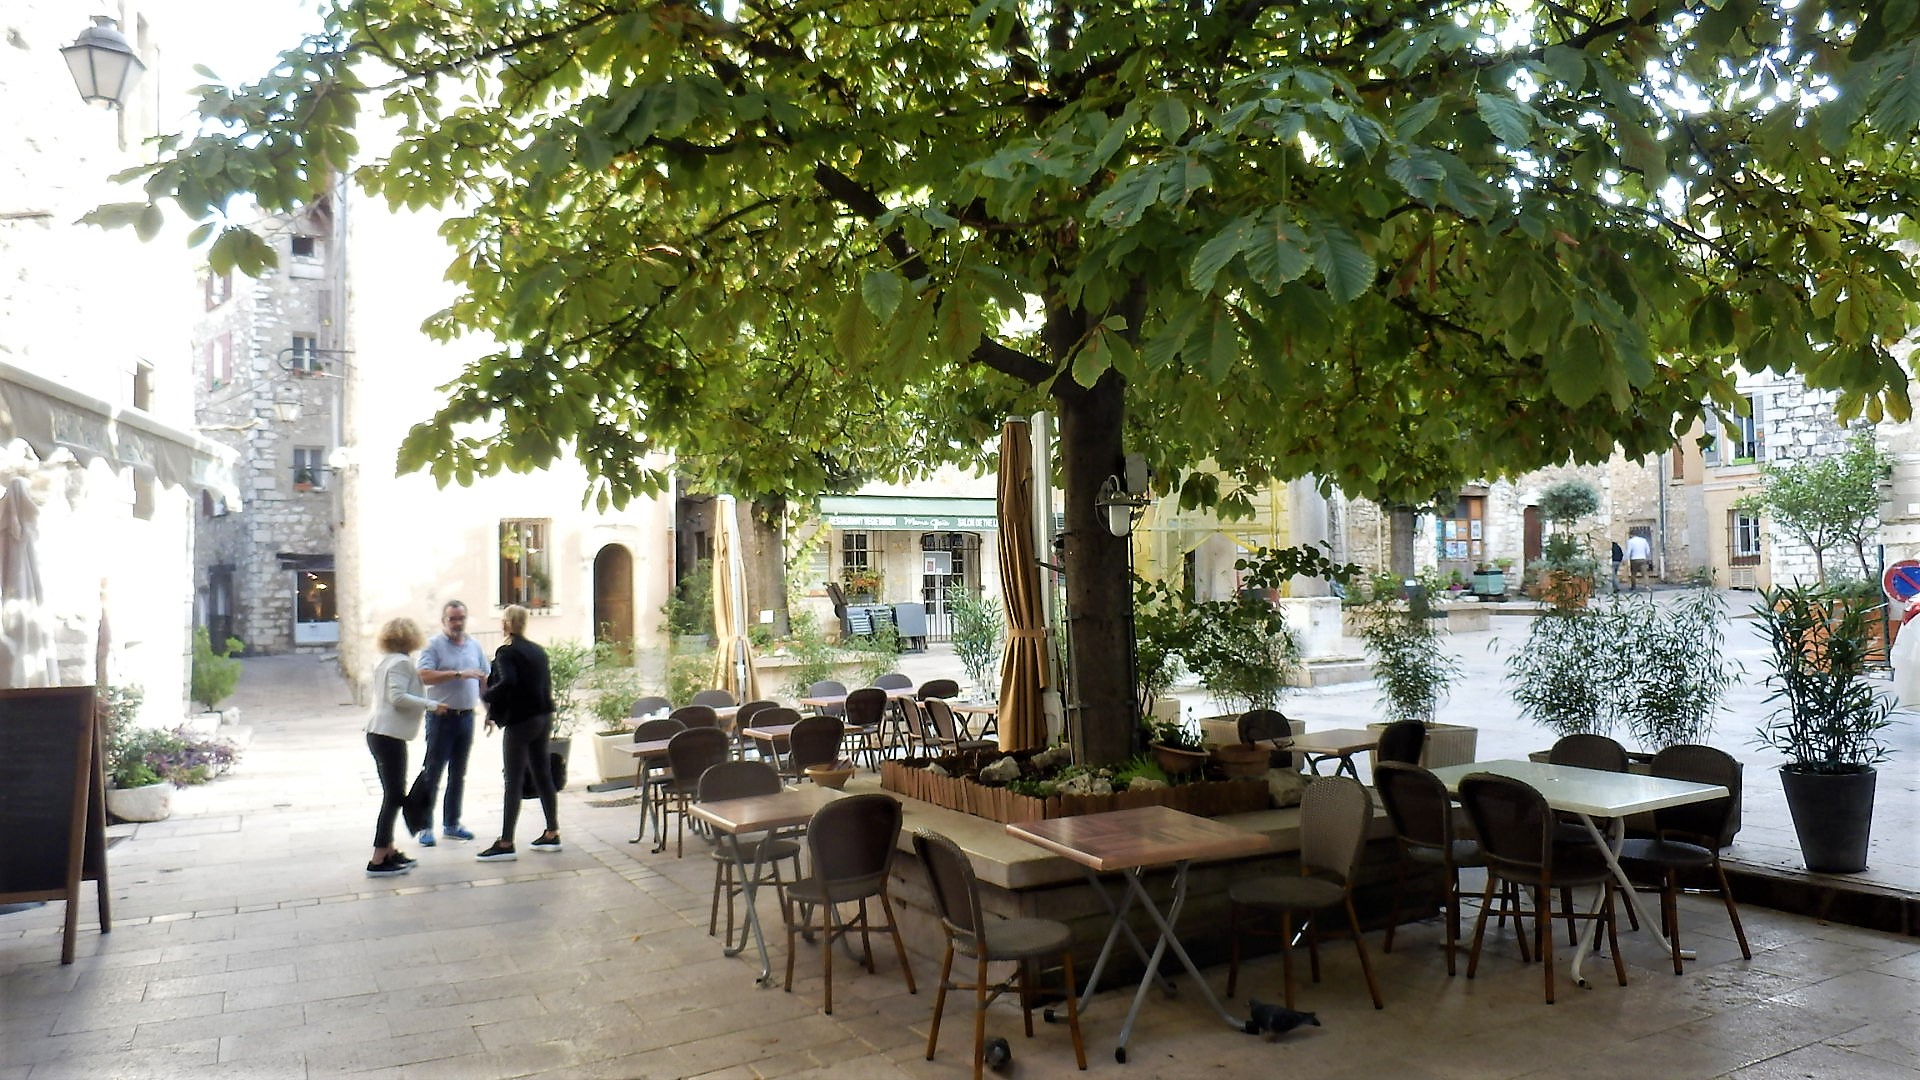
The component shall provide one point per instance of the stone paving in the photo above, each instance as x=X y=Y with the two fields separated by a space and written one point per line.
x=248 y=943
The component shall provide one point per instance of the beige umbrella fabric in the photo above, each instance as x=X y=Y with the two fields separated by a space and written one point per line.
x=733 y=662
x=26 y=639
x=1023 y=664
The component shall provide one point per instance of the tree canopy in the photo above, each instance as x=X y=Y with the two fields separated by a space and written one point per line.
x=1827 y=500
x=1395 y=245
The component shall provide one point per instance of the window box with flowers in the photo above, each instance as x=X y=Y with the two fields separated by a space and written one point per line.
x=862 y=583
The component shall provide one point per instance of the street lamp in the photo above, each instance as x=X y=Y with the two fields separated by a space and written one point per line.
x=286 y=407
x=103 y=64
x=1123 y=498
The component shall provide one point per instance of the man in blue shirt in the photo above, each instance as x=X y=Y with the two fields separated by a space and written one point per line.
x=452 y=666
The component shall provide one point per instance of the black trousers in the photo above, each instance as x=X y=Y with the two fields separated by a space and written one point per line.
x=390 y=761
x=523 y=747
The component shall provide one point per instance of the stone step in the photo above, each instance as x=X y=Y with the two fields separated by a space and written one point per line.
x=1336 y=670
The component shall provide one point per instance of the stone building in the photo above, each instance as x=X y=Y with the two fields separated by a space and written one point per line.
x=267 y=383
x=96 y=399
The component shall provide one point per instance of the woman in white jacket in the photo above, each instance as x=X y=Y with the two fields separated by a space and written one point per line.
x=399 y=703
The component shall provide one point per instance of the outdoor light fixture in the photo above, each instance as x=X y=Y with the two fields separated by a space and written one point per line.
x=286 y=407
x=1123 y=498
x=104 y=65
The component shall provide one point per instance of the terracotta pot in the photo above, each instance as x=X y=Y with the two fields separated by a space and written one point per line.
x=830 y=776
x=1177 y=762
x=1241 y=760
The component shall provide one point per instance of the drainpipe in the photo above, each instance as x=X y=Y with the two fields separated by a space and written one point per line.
x=1660 y=475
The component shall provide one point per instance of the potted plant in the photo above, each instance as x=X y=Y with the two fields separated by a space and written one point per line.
x=146 y=764
x=568 y=664
x=1827 y=722
x=862 y=583
x=1414 y=671
x=1243 y=651
x=614 y=686
x=215 y=672
x=303 y=480
x=1565 y=575
x=1176 y=747
x=1489 y=581
x=977 y=625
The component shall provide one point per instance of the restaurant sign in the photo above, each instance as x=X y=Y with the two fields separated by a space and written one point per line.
x=896 y=514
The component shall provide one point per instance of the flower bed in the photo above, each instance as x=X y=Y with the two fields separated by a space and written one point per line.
x=959 y=791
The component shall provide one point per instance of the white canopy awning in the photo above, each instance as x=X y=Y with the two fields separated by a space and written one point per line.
x=50 y=416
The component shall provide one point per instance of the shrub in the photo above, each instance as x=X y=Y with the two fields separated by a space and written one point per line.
x=977 y=622
x=140 y=756
x=215 y=674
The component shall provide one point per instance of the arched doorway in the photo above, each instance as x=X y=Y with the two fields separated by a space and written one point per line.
x=613 y=599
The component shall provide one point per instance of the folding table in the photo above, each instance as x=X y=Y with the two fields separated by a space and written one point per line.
x=1595 y=793
x=760 y=813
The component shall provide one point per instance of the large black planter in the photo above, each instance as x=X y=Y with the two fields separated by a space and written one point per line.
x=1832 y=815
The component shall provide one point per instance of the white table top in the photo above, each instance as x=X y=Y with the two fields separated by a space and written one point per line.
x=1590 y=791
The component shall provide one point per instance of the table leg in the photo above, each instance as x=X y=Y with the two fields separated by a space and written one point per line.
x=1165 y=925
x=643 y=778
x=749 y=890
x=1609 y=849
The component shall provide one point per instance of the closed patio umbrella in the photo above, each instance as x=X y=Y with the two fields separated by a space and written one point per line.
x=733 y=663
x=26 y=639
x=1023 y=664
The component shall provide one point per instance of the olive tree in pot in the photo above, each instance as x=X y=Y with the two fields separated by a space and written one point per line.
x=1827 y=723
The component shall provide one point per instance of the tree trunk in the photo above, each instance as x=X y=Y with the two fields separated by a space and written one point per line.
x=762 y=530
x=1100 y=713
x=1400 y=540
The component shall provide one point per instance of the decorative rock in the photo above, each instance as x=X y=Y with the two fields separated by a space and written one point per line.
x=935 y=769
x=1049 y=758
x=1000 y=771
x=1285 y=786
x=1100 y=786
x=1145 y=783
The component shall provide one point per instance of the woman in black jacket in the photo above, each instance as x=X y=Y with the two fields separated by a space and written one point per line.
x=519 y=697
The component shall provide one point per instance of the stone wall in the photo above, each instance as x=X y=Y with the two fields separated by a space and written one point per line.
x=1800 y=425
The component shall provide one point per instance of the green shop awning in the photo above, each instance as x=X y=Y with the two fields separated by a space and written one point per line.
x=906 y=514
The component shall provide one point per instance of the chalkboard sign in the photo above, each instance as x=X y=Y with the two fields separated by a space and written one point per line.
x=52 y=801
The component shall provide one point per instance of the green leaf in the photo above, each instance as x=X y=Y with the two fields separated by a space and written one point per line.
x=1169 y=114
x=1510 y=121
x=1131 y=196
x=1565 y=63
x=1345 y=265
x=881 y=290
x=1276 y=252
x=149 y=223
x=1575 y=377
x=1223 y=344
x=1214 y=255
x=1711 y=327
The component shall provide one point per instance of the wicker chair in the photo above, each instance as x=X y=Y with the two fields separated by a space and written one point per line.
x=1691 y=837
x=956 y=897
x=851 y=842
x=1422 y=814
x=1334 y=815
x=689 y=754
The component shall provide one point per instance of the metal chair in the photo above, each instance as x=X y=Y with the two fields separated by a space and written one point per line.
x=1334 y=815
x=647 y=706
x=866 y=715
x=956 y=898
x=827 y=688
x=650 y=786
x=1422 y=814
x=689 y=754
x=851 y=842
x=1691 y=837
x=745 y=719
x=1402 y=741
x=938 y=688
x=814 y=740
x=1516 y=835
x=718 y=699
x=945 y=729
x=739 y=780
x=1272 y=727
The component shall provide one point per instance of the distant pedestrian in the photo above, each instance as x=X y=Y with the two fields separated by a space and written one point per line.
x=1619 y=557
x=452 y=666
x=519 y=697
x=1639 y=561
x=399 y=701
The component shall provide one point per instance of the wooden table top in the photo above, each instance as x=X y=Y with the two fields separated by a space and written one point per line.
x=1146 y=836
x=792 y=806
x=648 y=748
x=770 y=732
x=1335 y=741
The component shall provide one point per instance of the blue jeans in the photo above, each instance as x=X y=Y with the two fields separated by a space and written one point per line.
x=449 y=740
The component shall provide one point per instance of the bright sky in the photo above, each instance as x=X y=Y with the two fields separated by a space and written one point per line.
x=238 y=41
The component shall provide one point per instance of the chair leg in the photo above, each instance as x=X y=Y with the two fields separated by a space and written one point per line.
x=1313 y=945
x=787 y=916
x=826 y=949
x=1233 y=952
x=1613 y=939
x=899 y=946
x=1480 y=925
x=1733 y=912
x=1024 y=973
x=1072 y=990
x=1453 y=916
x=1399 y=887
x=1670 y=911
x=1360 y=946
x=940 y=999
x=979 y=1014
x=1543 y=931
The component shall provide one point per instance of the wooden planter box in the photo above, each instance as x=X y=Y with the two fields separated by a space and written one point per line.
x=1206 y=798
